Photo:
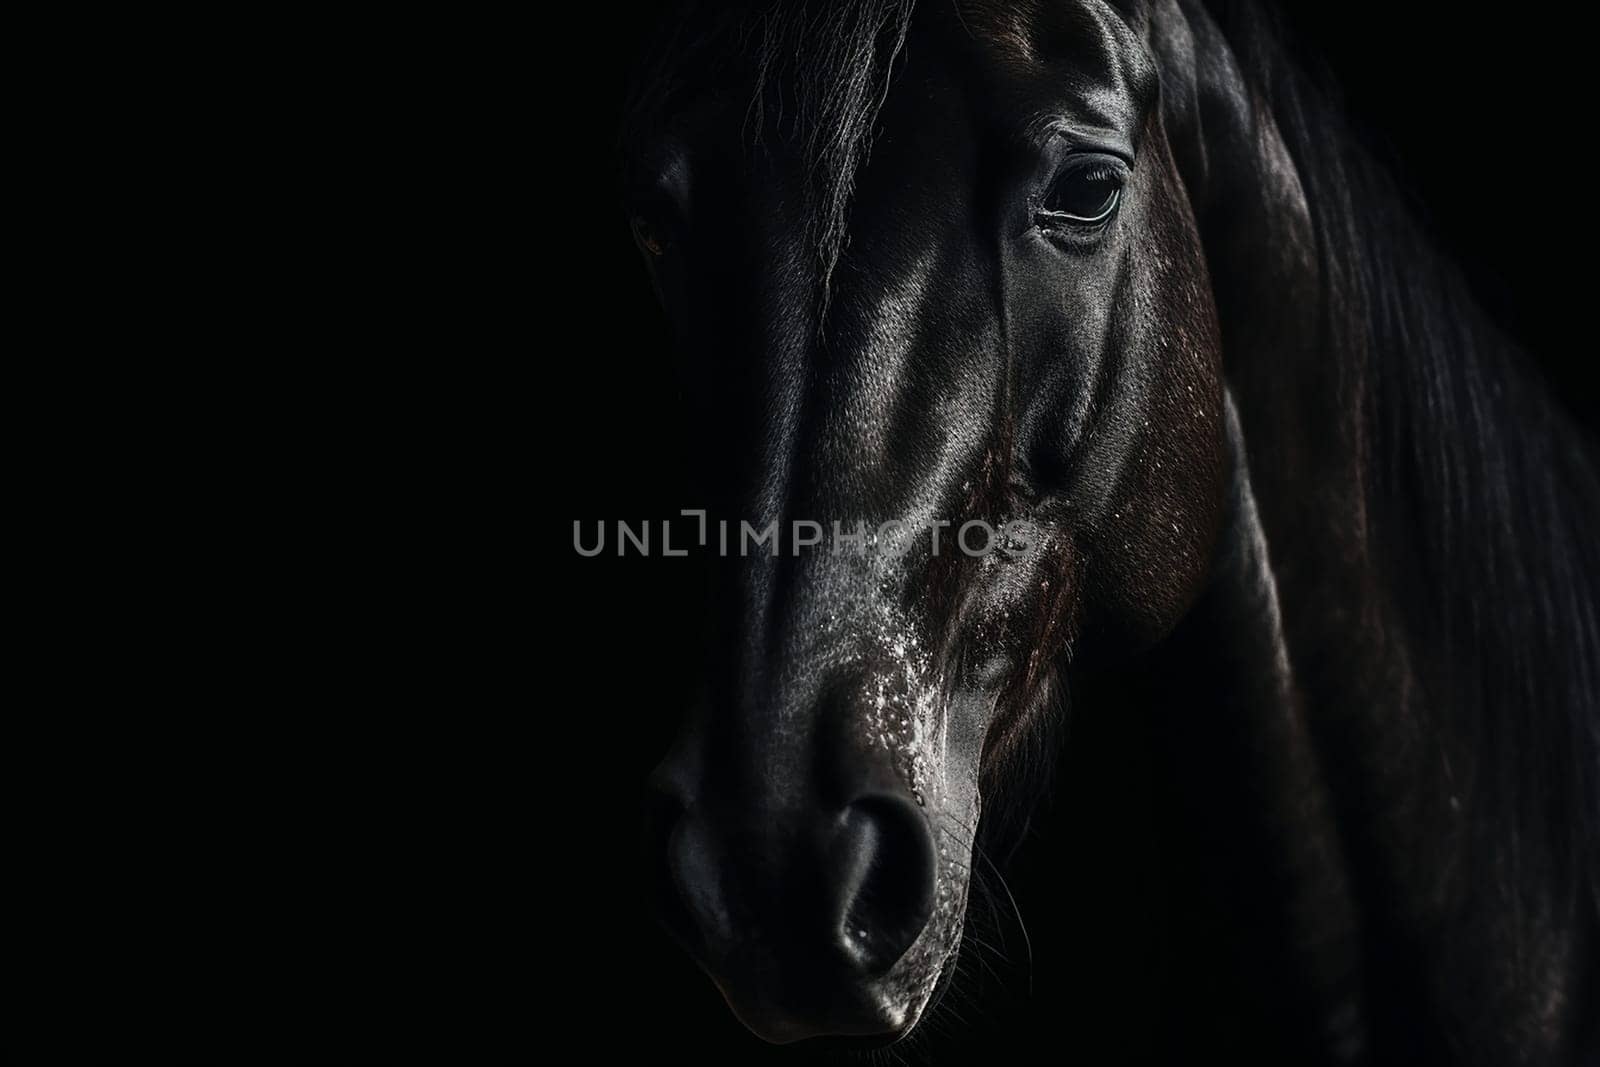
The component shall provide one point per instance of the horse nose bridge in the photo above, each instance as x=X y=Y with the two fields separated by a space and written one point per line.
x=848 y=756
x=775 y=786
x=803 y=742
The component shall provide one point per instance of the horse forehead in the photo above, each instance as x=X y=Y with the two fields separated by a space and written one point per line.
x=1090 y=34
x=1036 y=53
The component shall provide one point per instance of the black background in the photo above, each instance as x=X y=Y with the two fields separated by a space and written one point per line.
x=416 y=832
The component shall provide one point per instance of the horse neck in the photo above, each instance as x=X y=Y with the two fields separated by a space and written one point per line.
x=1427 y=515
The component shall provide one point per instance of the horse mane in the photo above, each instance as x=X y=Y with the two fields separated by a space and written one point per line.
x=1483 y=491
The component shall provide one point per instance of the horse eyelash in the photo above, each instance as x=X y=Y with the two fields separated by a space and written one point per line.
x=1094 y=172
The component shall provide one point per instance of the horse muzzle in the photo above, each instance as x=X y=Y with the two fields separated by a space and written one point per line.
x=802 y=902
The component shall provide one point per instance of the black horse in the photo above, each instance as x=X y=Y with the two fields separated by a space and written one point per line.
x=1280 y=506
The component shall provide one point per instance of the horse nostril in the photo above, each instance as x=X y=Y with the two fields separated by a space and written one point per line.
x=889 y=876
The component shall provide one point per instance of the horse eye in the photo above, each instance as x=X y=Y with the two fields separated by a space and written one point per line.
x=651 y=235
x=1082 y=195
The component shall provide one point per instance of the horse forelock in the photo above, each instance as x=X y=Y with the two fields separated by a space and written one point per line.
x=816 y=77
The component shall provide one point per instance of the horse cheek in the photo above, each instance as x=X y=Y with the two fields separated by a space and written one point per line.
x=1151 y=555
